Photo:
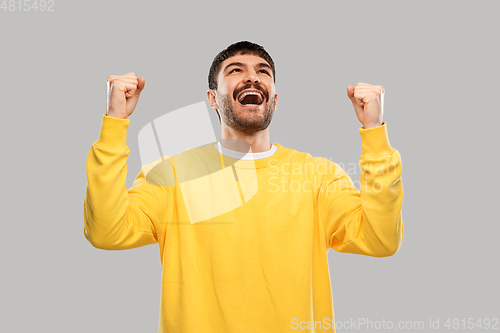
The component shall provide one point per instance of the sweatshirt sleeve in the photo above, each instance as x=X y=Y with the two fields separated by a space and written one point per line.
x=116 y=218
x=368 y=221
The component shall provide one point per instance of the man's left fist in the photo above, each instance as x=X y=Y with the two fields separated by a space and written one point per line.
x=368 y=102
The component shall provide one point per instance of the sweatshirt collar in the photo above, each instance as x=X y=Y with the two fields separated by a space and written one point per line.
x=245 y=164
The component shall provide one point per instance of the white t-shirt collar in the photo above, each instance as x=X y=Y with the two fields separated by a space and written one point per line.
x=244 y=156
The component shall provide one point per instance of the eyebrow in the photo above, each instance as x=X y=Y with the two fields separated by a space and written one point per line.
x=240 y=64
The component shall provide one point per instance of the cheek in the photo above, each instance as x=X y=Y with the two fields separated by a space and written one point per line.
x=228 y=92
x=229 y=84
x=268 y=84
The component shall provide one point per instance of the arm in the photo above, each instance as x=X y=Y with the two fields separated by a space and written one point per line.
x=115 y=218
x=369 y=221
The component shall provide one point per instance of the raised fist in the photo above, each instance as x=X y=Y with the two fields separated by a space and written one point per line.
x=368 y=102
x=123 y=94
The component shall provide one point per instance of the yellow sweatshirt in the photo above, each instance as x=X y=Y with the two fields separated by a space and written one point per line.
x=243 y=244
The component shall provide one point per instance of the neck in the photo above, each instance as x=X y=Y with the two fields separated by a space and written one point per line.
x=238 y=141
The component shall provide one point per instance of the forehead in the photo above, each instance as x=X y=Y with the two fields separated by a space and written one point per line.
x=250 y=60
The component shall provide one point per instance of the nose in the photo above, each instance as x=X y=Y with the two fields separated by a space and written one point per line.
x=252 y=77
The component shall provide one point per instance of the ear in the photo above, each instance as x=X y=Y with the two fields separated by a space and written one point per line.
x=276 y=104
x=211 y=99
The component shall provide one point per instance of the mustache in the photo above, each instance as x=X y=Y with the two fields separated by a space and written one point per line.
x=251 y=86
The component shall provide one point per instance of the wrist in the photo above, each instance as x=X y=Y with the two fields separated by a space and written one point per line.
x=114 y=115
x=373 y=125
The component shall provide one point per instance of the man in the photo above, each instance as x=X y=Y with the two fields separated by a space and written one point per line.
x=244 y=225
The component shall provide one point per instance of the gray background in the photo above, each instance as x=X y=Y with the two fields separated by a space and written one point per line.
x=438 y=62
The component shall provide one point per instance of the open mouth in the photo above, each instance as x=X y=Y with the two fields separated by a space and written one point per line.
x=251 y=98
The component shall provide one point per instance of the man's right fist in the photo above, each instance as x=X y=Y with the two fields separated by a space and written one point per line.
x=123 y=94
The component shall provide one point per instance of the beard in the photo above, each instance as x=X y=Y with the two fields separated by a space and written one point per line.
x=249 y=122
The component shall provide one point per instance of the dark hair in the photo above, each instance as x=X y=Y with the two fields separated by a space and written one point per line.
x=243 y=47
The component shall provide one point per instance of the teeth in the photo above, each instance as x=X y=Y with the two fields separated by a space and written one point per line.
x=251 y=93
